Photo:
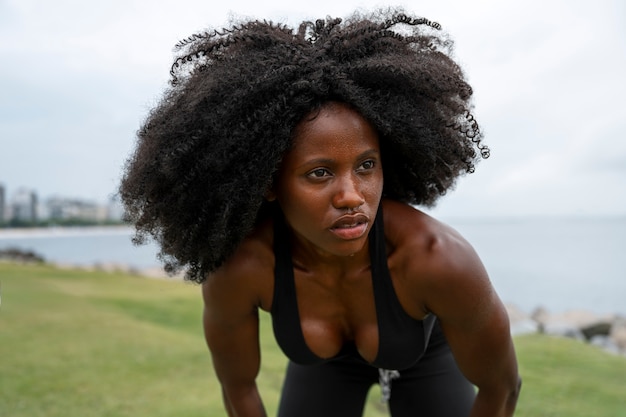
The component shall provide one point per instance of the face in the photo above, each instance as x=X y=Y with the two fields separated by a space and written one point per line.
x=331 y=181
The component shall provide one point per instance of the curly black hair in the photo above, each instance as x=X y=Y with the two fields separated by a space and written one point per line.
x=208 y=152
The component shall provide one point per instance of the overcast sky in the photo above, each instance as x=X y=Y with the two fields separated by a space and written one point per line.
x=77 y=78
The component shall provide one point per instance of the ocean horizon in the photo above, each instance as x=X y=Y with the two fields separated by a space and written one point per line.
x=555 y=263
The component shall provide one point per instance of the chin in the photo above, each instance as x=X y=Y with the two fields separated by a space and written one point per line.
x=350 y=248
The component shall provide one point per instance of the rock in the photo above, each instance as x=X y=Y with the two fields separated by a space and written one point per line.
x=521 y=323
x=607 y=331
x=618 y=333
x=154 y=272
x=605 y=343
x=600 y=328
x=540 y=315
x=577 y=324
x=111 y=267
x=160 y=273
x=563 y=330
x=20 y=255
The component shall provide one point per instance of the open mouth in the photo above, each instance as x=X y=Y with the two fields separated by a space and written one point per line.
x=348 y=229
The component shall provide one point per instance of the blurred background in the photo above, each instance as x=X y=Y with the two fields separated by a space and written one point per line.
x=547 y=211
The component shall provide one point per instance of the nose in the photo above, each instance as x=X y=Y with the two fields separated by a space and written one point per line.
x=347 y=195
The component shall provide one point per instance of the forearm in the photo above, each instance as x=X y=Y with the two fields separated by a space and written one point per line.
x=243 y=402
x=496 y=403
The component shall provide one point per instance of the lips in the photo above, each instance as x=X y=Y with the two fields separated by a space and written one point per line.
x=350 y=227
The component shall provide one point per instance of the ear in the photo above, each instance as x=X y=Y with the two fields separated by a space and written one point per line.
x=270 y=195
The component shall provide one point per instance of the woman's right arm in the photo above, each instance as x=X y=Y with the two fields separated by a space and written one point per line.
x=231 y=329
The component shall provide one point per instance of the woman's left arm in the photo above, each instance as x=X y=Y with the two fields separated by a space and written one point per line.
x=476 y=325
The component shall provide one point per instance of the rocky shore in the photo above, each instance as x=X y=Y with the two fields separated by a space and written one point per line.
x=607 y=331
x=21 y=256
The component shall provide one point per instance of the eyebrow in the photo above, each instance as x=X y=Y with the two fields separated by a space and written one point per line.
x=329 y=161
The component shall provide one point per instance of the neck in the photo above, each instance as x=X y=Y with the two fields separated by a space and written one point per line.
x=311 y=260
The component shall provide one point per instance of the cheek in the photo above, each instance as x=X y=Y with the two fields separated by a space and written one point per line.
x=374 y=187
x=308 y=202
x=297 y=199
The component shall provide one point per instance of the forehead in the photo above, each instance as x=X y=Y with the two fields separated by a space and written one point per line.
x=334 y=126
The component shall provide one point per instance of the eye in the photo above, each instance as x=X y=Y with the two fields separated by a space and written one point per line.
x=318 y=173
x=367 y=165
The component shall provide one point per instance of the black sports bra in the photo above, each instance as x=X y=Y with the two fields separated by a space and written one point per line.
x=402 y=339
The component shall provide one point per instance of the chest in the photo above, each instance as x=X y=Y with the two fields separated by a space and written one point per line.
x=335 y=313
x=362 y=311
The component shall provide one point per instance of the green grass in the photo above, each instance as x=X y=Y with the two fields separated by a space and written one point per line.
x=564 y=377
x=76 y=343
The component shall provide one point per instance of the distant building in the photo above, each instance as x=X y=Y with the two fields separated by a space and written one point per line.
x=115 y=209
x=24 y=206
x=59 y=208
x=2 y=204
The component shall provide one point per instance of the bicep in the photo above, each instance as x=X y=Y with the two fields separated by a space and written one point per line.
x=473 y=318
x=231 y=330
x=482 y=346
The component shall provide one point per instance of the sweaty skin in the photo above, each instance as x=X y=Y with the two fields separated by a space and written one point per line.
x=329 y=188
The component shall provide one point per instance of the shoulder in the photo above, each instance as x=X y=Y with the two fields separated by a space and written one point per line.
x=247 y=275
x=412 y=232
x=436 y=261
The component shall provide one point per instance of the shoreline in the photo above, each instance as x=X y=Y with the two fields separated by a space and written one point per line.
x=62 y=231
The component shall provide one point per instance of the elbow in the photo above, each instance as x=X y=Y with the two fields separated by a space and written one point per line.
x=242 y=400
x=518 y=387
x=513 y=394
x=497 y=399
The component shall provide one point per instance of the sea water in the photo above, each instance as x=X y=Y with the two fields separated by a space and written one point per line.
x=559 y=264
x=83 y=246
x=556 y=263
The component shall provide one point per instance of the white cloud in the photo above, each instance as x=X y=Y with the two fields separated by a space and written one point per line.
x=548 y=81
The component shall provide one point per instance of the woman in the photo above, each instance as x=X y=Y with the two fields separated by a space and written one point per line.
x=281 y=169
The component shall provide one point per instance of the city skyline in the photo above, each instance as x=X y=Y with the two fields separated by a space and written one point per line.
x=10 y=189
x=547 y=77
x=24 y=206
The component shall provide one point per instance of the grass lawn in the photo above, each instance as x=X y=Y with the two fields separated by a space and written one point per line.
x=76 y=343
